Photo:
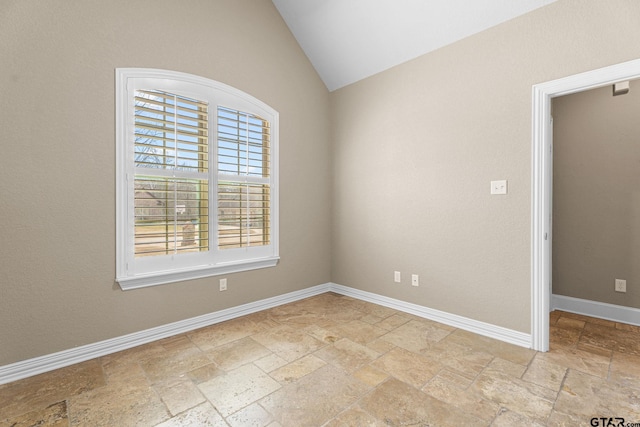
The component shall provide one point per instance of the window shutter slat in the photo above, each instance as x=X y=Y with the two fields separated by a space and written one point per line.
x=171 y=205
x=244 y=208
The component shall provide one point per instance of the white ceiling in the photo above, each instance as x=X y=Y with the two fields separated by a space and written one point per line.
x=348 y=40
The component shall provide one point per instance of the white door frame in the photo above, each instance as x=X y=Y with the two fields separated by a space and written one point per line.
x=541 y=178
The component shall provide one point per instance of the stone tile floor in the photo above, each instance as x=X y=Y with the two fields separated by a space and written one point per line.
x=335 y=361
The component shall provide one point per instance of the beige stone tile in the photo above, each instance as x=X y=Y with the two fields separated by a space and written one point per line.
x=416 y=336
x=576 y=316
x=398 y=404
x=179 y=395
x=610 y=338
x=359 y=331
x=125 y=403
x=237 y=353
x=625 y=370
x=173 y=364
x=378 y=310
x=54 y=415
x=591 y=320
x=371 y=376
x=326 y=335
x=500 y=366
x=124 y=362
x=299 y=319
x=409 y=367
x=392 y=322
x=371 y=319
x=585 y=346
x=347 y=355
x=628 y=328
x=381 y=346
x=585 y=396
x=116 y=390
x=297 y=369
x=462 y=399
x=601 y=322
x=315 y=398
x=176 y=343
x=573 y=358
x=40 y=391
x=569 y=323
x=201 y=415
x=238 y=388
x=355 y=417
x=507 y=418
x=465 y=360
x=307 y=312
x=454 y=378
x=251 y=416
x=563 y=336
x=270 y=362
x=503 y=350
x=545 y=373
x=288 y=343
x=261 y=319
x=116 y=371
x=516 y=395
x=345 y=302
x=205 y=373
x=340 y=314
x=558 y=419
x=225 y=332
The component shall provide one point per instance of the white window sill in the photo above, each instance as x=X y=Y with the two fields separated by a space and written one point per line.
x=161 y=278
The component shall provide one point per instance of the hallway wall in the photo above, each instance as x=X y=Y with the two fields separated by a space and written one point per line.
x=596 y=195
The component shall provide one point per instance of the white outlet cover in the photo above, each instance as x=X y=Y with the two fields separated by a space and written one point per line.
x=620 y=285
x=499 y=187
x=396 y=277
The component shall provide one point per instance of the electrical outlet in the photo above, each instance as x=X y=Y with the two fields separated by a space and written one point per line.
x=396 y=277
x=415 y=280
x=223 y=285
x=499 y=187
x=621 y=285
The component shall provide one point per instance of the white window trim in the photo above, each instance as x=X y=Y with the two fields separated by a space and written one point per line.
x=126 y=274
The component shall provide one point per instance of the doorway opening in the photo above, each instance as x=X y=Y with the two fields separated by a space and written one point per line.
x=541 y=183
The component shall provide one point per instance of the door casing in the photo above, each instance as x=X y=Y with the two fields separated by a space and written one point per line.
x=542 y=178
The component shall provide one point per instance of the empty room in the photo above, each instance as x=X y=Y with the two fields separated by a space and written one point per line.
x=319 y=213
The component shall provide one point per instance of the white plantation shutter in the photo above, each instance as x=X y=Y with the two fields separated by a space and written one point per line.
x=171 y=174
x=196 y=183
x=244 y=196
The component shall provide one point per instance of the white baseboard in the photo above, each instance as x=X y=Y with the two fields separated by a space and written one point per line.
x=616 y=313
x=481 y=328
x=38 y=365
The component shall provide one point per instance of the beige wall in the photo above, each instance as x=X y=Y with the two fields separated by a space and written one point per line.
x=415 y=148
x=596 y=195
x=57 y=178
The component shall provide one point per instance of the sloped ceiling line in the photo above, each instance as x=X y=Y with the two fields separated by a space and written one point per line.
x=349 y=40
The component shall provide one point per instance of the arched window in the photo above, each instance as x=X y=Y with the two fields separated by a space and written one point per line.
x=197 y=165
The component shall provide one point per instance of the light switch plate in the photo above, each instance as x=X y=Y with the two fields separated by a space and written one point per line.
x=499 y=187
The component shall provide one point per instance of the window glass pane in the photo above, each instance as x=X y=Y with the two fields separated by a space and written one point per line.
x=170 y=132
x=171 y=215
x=243 y=215
x=243 y=143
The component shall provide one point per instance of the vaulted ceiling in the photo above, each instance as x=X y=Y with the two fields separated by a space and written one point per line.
x=348 y=40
